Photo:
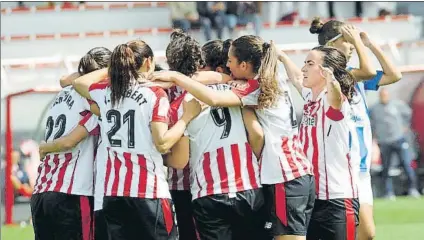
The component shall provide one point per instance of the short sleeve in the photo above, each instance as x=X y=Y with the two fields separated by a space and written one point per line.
x=372 y=84
x=96 y=91
x=91 y=123
x=248 y=93
x=336 y=114
x=161 y=105
x=175 y=110
x=306 y=93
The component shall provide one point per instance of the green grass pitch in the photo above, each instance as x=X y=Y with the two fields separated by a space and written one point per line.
x=400 y=220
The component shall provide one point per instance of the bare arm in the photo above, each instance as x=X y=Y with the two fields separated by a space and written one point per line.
x=94 y=108
x=255 y=133
x=179 y=155
x=211 y=77
x=200 y=91
x=83 y=83
x=391 y=73
x=366 y=70
x=64 y=143
x=294 y=73
x=67 y=80
x=163 y=138
x=334 y=95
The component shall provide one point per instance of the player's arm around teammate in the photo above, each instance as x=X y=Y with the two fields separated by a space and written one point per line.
x=284 y=165
x=255 y=133
x=64 y=143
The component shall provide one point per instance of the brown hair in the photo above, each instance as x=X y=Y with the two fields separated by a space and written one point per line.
x=336 y=60
x=263 y=57
x=183 y=53
x=125 y=61
x=95 y=59
x=326 y=31
x=215 y=53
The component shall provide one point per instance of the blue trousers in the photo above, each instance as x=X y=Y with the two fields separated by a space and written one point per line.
x=402 y=149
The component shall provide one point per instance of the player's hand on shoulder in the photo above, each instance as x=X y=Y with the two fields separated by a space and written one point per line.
x=193 y=107
x=67 y=80
x=161 y=84
x=164 y=76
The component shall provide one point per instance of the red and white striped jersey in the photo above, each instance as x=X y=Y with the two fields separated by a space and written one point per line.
x=178 y=179
x=134 y=167
x=282 y=158
x=326 y=134
x=221 y=159
x=174 y=92
x=57 y=172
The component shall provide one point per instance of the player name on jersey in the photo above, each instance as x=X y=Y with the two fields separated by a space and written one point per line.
x=134 y=165
x=57 y=171
x=137 y=96
x=67 y=99
x=132 y=93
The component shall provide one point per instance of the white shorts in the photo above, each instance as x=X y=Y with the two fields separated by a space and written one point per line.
x=365 y=189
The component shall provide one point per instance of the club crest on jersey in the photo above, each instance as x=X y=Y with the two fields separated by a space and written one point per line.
x=356 y=118
x=64 y=99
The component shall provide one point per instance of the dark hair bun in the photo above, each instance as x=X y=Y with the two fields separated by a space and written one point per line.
x=178 y=33
x=316 y=26
x=227 y=43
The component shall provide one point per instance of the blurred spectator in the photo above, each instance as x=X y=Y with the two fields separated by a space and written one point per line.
x=244 y=13
x=384 y=13
x=250 y=13
x=29 y=148
x=390 y=120
x=289 y=11
x=183 y=14
x=376 y=154
x=232 y=15
x=336 y=11
x=19 y=176
x=375 y=9
x=212 y=14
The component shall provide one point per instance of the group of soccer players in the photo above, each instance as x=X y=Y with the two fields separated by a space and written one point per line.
x=216 y=136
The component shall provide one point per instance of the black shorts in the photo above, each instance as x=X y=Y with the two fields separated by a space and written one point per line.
x=226 y=217
x=184 y=212
x=58 y=215
x=134 y=218
x=334 y=219
x=289 y=206
x=100 y=226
